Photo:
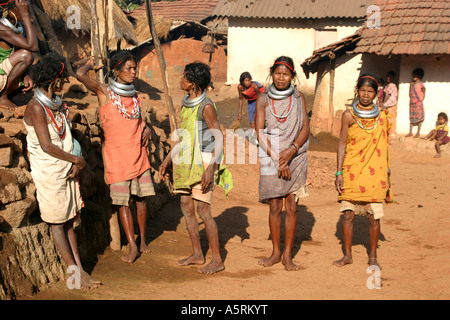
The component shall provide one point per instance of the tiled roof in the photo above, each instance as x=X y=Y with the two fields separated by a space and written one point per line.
x=184 y=10
x=408 y=27
x=292 y=9
x=330 y=52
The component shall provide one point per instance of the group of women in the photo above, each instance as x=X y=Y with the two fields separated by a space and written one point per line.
x=281 y=127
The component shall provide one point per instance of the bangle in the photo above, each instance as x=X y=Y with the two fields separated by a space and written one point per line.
x=339 y=173
x=295 y=146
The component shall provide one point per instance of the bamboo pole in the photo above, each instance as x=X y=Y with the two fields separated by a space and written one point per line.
x=162 y=65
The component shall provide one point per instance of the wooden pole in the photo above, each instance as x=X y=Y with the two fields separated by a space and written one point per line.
x=162 y=65
x=95 y=40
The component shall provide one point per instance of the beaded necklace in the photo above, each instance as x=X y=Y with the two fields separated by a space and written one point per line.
x=58 y=121
x=135 y=112
x=280 y=118
x=363 y=122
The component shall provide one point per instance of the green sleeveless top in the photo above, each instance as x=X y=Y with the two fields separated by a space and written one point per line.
x=189 y=165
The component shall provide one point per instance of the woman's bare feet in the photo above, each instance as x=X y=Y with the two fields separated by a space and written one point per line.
x=7 y=104
x=270 y=261
x=144 y=248
x=373 y=262
x=342 y=262
x=87 y=282
x=132 y=255
x=193 y=259
x=289 y=265
x=213 y=267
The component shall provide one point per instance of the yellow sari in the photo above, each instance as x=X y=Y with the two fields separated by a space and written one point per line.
x=366 y=164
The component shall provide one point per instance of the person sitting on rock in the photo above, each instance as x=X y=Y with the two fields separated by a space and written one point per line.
x=54 y=161
x=15 y=49
x=125 y=153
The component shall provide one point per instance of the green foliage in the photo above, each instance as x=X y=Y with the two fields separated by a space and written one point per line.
x=133 y=4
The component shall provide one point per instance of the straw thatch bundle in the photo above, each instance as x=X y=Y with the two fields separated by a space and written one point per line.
x=57 y=12
x=162 y=26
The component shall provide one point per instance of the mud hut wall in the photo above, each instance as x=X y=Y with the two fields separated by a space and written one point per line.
x=177 y=54
x=325 y=117
x=28 y=256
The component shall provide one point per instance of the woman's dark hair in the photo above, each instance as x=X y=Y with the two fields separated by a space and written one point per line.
x=286 y=61
x=391 y=74
x=368 y=79
x=244 y=75
x=418 y=72
x=443 y=115
x=48 y=69
x=119 y=59
x=198 y=73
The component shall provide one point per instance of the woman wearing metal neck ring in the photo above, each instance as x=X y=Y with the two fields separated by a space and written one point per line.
x=125 y=151
x=363 y=168
x=199 y=158
x=282 y=129
x=53 y=164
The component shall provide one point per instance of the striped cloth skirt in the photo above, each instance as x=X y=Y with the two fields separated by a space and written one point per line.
x=141 y=186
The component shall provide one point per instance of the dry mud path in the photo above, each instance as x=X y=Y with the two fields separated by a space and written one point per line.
x=414 y=247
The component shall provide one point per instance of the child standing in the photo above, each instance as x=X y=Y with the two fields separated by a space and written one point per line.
x=416 y=97
x=440 y=133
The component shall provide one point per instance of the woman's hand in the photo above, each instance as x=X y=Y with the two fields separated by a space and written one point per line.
x=284 y=173
x=286 y=156
x=207 y=178
x=146 y=136
x=28 y=84
x=339 y=183
x=80 y=163
x=77 y=166
x=162 y=171
x=283 y=163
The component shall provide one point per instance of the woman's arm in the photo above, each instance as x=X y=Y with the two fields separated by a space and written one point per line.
x=347 y=120
x=287 y=154
x=260 y=118
x=241 y=102
x=93 y=85
x=210 y=116
x=30 y=42
x=39 y=122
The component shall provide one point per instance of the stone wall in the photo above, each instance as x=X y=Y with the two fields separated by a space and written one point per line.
x=28 y=257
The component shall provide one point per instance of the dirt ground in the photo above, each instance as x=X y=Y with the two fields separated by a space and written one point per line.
x=414 y=247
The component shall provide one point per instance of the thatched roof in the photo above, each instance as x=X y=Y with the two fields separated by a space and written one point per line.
x=162 y=26
x=57 y=12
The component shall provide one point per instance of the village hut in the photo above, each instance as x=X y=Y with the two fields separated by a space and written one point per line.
x=187 y=33
x=412 y=34
x=399 y=36
x=260 y=31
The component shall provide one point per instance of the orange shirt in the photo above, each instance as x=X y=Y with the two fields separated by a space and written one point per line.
x=124 y=156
